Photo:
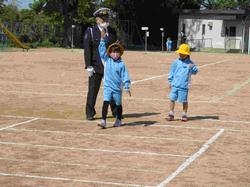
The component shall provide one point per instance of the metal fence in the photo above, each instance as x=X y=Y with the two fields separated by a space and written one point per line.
x=232 y=44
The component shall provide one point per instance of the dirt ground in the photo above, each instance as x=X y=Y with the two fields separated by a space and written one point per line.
x=45 y=139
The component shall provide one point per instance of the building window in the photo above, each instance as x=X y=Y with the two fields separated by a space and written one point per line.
x=203 y=29
x=226 y=31
x=210 y=25
x=183 y=28
x=232 y=31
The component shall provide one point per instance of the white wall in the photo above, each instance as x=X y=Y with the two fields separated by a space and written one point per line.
x=213 y=38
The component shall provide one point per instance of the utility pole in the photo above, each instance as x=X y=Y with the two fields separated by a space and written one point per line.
x=162 y=39
x=146 y=35
x=72 y=36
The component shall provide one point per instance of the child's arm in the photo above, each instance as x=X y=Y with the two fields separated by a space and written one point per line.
x=102 y=48
x=171 y=72
x=125 y=79
x=193 y=69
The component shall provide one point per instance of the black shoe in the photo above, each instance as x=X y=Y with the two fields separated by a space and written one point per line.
x=90 y=118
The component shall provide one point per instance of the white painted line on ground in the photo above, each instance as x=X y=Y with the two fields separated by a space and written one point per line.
x=133 y=82
x=185 y=127
x=154 y=125
x=68 y=179
x=228 y=121
x=163 y=75
x=40 y=84
x=215 y=63
x=17 y=124
x=83 y=95
x=150 y=78
x=53 y=119
x=83 y=165
x=158 y=99
x=106 y=135
x=93 y=150
x=235 y=89
x=201 y=128
x=41 y=93
x=192 y=158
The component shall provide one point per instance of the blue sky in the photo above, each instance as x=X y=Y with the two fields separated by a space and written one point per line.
x=22 y=3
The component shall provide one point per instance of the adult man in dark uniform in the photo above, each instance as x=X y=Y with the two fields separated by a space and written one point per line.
x=93 y=62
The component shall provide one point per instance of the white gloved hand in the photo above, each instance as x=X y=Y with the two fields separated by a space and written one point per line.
x=90 y=71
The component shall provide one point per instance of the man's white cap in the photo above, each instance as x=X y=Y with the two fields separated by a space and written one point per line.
x=102 y=12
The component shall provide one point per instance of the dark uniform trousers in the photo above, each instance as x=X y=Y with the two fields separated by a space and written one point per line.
x=93 y=89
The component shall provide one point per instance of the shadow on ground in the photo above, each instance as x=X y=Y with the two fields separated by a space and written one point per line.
x=137 y=123
x=192 y=118
x=137 y=115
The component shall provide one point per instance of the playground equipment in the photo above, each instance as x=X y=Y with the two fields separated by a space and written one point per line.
x=12 y=37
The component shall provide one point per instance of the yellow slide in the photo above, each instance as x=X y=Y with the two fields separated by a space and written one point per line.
x=12 y=37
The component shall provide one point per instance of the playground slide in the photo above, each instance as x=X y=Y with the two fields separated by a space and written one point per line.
x=12 y=37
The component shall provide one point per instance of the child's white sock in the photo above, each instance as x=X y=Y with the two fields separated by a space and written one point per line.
x=184 y=114
x=171 y=112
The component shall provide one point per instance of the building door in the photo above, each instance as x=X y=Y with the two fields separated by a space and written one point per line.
x=232 y=37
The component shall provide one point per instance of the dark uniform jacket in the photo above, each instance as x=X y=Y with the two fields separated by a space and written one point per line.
x=91 y=43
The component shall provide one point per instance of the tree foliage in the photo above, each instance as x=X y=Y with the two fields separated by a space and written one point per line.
x=226 y=4
x=61 y=14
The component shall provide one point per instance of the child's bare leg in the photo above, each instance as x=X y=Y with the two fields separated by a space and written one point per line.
x=171 y=106
x=184 y=113
x=171 y=112
x=185 y=107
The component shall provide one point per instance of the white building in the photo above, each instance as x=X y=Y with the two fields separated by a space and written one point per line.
x=225 y=29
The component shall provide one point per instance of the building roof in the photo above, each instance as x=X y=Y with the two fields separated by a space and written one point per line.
x=227 y=13
x=220 y=12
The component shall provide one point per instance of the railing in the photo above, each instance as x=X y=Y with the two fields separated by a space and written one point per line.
x=232 y=44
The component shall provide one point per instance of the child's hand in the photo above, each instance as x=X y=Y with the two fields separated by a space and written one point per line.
x=128 y=92
x=190 y=66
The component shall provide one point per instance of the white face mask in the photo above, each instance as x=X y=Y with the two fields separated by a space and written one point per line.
x=104 y=25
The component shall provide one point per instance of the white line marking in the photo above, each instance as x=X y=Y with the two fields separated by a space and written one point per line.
x=210 y=64
x=42 y=93
x=155 y=77
x=201 y=128
x=110 y=135
x=133 y=82
x=83 y=95
x=192 y=158
x=16 y=124
x=228 y=121
x=163 y=75
x=84 y=165
x=154 y=125
x=93 y=150
x=235 y=89
x=159 y=99
x=40 y=84
x=68 y=179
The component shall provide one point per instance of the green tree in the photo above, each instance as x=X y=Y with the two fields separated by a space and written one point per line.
x=226 y=4
x=9 y=14
x=65 y=11
x=1 y=5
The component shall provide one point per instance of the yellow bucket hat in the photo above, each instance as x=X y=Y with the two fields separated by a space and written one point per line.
x=115 y=45
x=184 y=49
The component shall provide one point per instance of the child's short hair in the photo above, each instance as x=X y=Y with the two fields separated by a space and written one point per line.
x=115 y=47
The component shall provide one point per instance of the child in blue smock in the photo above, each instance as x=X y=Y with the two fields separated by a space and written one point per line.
x=169 y=44
x=115 y=78
x=179 y=79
